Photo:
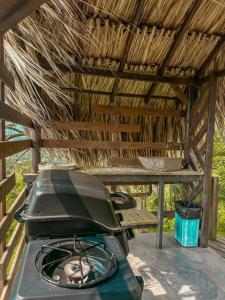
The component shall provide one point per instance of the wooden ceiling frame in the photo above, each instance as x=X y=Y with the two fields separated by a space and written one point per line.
x=14 y=11
x=219 y=46
x=178 y=37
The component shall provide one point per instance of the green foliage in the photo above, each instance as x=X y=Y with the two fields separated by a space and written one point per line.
x=219 y=163
x=19 y=170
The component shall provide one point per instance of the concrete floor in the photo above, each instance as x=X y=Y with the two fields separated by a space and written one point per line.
x=175 y=272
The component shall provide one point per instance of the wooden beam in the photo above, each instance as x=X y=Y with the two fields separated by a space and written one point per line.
x=121 y=75
x=180 y=94
x=213 y=211
x=36 y=151
x=142 y=111
x=14 y=11
x=10 y=148
x=220 y=44
x=90 y=126
x=178 y=37
x=126 y=95
x=6 y=76
x=6 y=185
x=107 y=145
x=136 y=22
x=218 y=74
x=207 y=187
x=10 y=114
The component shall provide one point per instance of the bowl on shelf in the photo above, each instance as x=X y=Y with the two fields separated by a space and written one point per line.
x=161 y=164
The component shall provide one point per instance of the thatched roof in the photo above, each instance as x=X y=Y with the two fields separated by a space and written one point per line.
x=95 y=34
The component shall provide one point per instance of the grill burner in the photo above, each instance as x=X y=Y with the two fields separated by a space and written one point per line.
x=75 y=263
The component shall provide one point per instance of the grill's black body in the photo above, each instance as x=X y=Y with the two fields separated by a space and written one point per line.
x=63 y=204
x=28 y=286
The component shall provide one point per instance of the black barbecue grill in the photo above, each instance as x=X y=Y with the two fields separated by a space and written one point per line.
x=75 y=243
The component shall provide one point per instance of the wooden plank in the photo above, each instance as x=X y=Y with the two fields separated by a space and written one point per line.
x=220 y=44
x=180 y=94
x=221 y=240
x=14 y=11
x=202 y=149
x=90 y=126
x=208 y=161
x=8 y=218
x=213 y=210
x=133 y=218
x=6 y=76
x=217 y=246
x=13 y=271
x=10 y=148
x=142 y=111
x=197 y=119
x=178 y=37
x=10 y=114
x=107 y=145
x=199 y=157
x=8 y=253
x=6 y=185
x=161 y=199
x=188 y=123
x=200 y=134
x=195 y=192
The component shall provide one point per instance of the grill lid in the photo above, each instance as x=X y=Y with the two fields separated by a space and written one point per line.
x=69 y=196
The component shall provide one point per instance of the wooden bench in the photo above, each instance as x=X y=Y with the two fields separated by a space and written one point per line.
x=136 y=219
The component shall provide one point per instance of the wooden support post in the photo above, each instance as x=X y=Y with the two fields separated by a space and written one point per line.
x=160 y=214
x=211 y=110
x=213 y=208
x=115 y=138
x=2 y=166
x=36 y=152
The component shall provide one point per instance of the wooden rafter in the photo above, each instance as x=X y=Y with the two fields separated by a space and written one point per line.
x=121 y=75
x=220 y=44
x=142 y=111
x=178 y=37
x=126 y=95
x=14 y=11
x=93 y=126
x=136 y=22
x=181 y=95
x=108 y=145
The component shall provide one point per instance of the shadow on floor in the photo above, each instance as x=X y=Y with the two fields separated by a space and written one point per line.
x=175 y=272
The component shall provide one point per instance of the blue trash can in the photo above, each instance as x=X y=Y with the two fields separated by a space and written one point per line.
x=187 y=223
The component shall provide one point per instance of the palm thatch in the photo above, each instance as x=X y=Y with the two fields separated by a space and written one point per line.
x=94 y=34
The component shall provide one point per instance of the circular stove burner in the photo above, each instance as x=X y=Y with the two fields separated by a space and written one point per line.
x=76 y=269
x=75 y=263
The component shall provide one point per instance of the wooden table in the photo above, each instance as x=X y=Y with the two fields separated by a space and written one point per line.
x=139 y=176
